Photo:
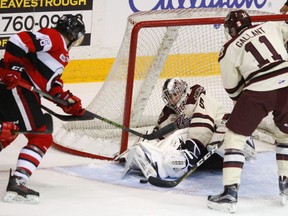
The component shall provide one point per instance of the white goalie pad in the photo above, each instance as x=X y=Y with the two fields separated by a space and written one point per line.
x=249 y=149
x=173 y=140
x=124 y=155
x=144 y=163
x=138 y=158
x=171 y=163
x=129 y=158
x=162 y=158
x=175 y=163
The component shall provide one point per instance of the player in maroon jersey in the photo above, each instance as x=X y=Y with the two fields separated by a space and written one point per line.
x=37 y=58
x=254 y=71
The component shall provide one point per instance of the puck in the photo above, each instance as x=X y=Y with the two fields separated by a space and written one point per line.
x=143 y=181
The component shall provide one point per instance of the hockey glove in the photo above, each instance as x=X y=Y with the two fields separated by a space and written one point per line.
x=75 y=107
x=5 y=131
x=12 y=76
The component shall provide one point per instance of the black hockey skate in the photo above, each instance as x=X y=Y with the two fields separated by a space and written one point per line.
x=283 y=186
x=225 y=201
x=17 y=192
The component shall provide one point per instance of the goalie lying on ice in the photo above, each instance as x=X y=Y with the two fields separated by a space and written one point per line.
x=201 y=120
x=174 y=156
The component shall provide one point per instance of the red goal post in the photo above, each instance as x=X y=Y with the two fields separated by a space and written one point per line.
x=157 y=45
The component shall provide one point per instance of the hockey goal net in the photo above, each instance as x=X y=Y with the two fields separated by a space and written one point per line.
x=157 y=45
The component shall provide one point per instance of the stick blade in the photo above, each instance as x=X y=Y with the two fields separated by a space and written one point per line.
x=162 y=183
x=87 y=115
x=161 y=132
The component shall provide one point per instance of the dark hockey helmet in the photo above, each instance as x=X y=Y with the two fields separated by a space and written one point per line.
x=73 y=27
x=236 y=21
x=174 y=94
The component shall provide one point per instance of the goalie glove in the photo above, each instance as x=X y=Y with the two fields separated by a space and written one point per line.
x=75 y=106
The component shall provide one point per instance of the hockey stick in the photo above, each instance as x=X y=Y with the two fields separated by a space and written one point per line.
x=173 y=183
x=89 y=116
x=48 y=123
x=154 y=135
x=46 y=95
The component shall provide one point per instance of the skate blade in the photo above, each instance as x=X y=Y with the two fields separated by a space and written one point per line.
x=13 y=197
x=284 y=199
x=224 y=207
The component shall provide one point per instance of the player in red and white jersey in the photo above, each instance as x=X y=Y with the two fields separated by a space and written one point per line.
x=254 y=71
x=37 y=58
x=201 y=119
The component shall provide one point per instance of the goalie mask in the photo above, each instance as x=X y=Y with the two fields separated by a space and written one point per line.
x=174 y=94
x=236 y=21
x=72 y=27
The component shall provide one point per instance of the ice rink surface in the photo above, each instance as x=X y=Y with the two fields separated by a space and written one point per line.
x=73 y=185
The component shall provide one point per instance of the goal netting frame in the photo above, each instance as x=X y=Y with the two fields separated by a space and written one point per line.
x=154 y=48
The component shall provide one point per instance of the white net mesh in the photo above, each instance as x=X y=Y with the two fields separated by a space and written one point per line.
x=186 y=51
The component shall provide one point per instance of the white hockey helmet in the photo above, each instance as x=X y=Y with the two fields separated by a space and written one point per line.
x=174 y=94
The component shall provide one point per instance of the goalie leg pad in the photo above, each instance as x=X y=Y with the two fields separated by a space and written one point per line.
x=175 y=163
x=143 y=162
x=129 y=161
x=173 y=141
x=249 y=149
